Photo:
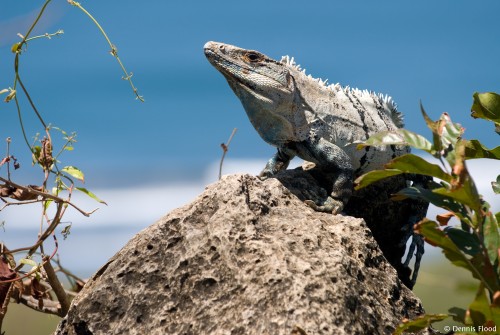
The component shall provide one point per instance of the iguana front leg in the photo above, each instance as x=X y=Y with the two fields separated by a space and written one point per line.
x=277 y=163
x=336 y=166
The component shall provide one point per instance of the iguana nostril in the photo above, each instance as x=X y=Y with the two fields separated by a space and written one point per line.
x=209 y=46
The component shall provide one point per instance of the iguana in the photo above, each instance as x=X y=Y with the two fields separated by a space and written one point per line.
x=305 y=117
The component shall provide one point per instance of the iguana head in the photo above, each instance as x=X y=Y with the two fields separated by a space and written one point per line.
x=264 y=86
x=249 y=69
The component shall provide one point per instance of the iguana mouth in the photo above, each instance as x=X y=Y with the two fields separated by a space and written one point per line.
x=227 y=66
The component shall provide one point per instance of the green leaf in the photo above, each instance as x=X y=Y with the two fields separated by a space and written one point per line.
x=59 y=129
x=16 y=47
x=436 y=237
x=420 y=323
x=476 y=265
x=398 y=137
x=66 y=231
x=434 y=127
x=445 y=134
x=481 y=313
x=475 y=149
x=450 y=136
x=439 y=200
x=374 y=176
x=36 y=149
x=467 y=242
x=451 y=132
x=74 y=172
x=466 y=195
x=35 y=268
x=486 y=106
x=90 y=194
x=496 y=185
x=46 y=204
x=485 y=272
x=458 y=314
x=410 y=163
x=495 y=314
x=491 y=236
x=28 y=262
x=465 y=178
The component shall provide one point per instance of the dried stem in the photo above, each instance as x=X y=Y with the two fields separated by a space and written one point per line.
x=225 y=148
x=46 y=196
x=49 y=306
x=114 y=51
x=23 y=195
x=8 y=203
x=69 y=275
x=55 y=284
x=3 y=309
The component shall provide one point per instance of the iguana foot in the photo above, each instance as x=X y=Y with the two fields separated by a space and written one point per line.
x=277 y=163
x=417 y=249
x=265 y=174
x=329 y=206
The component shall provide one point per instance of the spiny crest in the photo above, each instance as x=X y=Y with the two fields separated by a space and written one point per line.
x=383 y=99
x=290 y=61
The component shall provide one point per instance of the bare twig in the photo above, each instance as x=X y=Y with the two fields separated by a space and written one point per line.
x=49 y=306
x=55 y=284
x=49 y=288
x=8 y=155
x=46 y=195
x=113 y=52
x=31 y=250
x=8 y=203
x=225 y=148
x=69 y=275
x=46 y=35
x=18 y=78
x=3 y=309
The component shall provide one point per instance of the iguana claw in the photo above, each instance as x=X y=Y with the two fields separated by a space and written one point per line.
x=329 y=206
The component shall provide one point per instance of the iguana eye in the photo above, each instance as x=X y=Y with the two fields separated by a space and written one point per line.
x=253 y=57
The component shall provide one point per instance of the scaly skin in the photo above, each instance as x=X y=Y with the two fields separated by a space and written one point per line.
x=302 y=116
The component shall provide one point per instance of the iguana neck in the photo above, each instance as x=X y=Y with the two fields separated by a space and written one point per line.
x=272 y=119
x=266 y=90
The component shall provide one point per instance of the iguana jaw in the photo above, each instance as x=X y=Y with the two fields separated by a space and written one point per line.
x=251 y=69
x=264 y=87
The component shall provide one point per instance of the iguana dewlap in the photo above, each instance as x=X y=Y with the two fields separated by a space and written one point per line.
x=303 y=116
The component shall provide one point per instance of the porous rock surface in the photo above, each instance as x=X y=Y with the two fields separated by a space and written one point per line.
x=245 y=257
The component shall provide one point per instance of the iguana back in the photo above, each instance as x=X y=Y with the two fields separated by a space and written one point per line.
x=303 y=116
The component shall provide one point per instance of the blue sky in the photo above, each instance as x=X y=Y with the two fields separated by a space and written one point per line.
x=437 y=52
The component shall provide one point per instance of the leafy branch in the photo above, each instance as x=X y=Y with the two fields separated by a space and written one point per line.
x=474 y=244
x=40 y=287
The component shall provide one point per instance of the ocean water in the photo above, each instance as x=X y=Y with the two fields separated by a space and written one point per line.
x=146 y=158
x=95 y=239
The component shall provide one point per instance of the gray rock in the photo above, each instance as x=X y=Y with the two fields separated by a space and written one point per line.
x=245 y=257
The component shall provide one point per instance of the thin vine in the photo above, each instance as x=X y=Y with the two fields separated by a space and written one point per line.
x=40 y=288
